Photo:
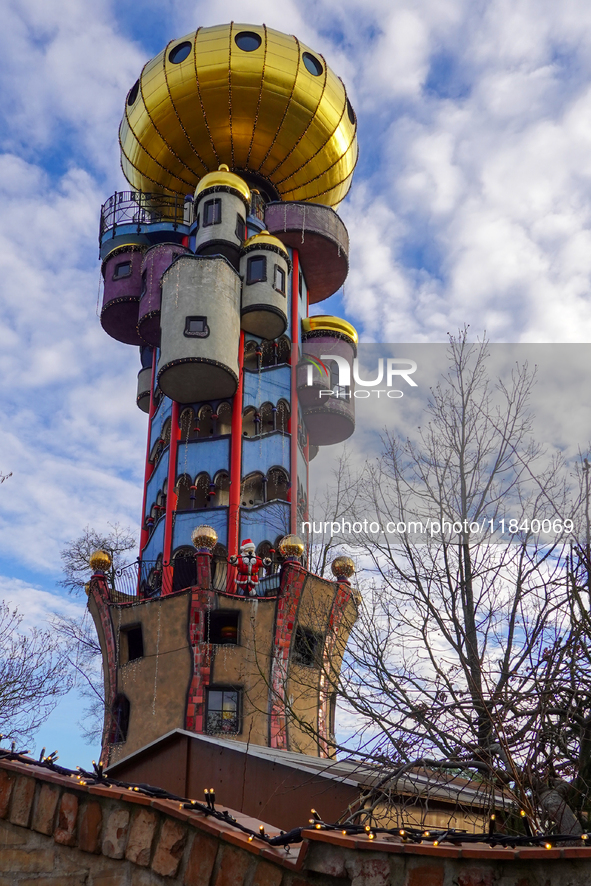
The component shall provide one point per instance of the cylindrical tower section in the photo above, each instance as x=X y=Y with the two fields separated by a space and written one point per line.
x=122 y=274
x=222 y=202
x=200 y=324
x=329 y=346
x=264 y=268
x=144 y=379
x=156 y=260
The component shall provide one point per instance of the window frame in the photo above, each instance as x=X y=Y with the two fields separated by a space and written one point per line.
x=239 y=697
x=216 y=204
x=217 y=615
x=279 y=272
x=249 y=264
x=313 y=651
x=188 y=333
x=122 y=264
x=240 y=228
x=127 y=630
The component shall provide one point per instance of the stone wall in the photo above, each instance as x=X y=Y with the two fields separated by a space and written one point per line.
x=56 y=830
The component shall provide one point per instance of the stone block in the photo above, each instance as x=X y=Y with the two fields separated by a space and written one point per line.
x=11 y=836
x=44 y=812
x=115 y=835
x=23 y=794
x=476 y=877
x=201 y=860
x=19 y=861
x=89 y=827
x=65 y=832
x=6 y=783
x=368 y=871
x=426 y=875
x=233 y=868
x=325 y=859
x=141 y=837
x=267 y=874
x=169 y=849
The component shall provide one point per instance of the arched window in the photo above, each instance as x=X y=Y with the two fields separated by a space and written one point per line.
x=184 y=573
x=283 y=414
x=220 y=567
x=283 y=350
x=119 y=719
x=189 y=425
x=249 y=426
x=253 y=490
x=201 y=491
x=184 y=492
x=277 y=484
x=251 y=360
x=222 y=487
x=224 y=419
x=205 y=421
x=267 y=418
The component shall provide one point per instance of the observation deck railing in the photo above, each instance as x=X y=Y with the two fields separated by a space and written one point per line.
x=140 y=208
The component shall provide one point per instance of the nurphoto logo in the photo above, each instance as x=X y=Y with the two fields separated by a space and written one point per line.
x=339 y=382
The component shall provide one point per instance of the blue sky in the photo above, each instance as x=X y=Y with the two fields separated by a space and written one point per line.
x=471 y=204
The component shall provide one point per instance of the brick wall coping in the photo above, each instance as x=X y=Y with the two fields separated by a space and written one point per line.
x=228 y=834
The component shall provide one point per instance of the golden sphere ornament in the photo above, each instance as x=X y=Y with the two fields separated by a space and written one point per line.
x=291 y=547
x=100 y=561
x=204 y=538
x=343 y=568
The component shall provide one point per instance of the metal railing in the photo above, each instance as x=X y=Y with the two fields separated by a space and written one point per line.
x=139 y=208
x=143 y=579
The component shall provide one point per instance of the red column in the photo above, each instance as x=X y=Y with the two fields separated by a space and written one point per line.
x=171 y=500
x=149 y=466
x=236 y=457
x=295 y=320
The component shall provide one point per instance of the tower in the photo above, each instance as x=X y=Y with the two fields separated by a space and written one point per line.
x=237 y=142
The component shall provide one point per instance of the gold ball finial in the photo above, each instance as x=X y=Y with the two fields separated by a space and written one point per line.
x=204 y=538
x=342 y=567
x=291 y=546
x=100 y=561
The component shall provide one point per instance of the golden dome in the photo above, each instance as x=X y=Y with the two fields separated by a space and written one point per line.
x=247 y=96
x=204 y=537
x=291 y=546
x=100 y=561
x=343 y=567
x=227 y=179
x=330 y=324
x=266 y=239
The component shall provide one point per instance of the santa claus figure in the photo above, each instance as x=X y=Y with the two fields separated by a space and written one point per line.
x=248 y=565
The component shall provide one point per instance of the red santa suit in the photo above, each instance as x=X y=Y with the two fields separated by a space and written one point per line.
x=248 y=565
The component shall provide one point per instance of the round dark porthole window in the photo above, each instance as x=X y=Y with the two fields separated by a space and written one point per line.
x=133 y=93
x=350 y=112
x=312 y=64
x=248 y=41
x=179 y=53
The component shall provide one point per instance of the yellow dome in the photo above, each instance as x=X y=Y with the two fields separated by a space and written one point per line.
x=266 y=239
x=247 y=96
x=330 y=324
x=227 y=179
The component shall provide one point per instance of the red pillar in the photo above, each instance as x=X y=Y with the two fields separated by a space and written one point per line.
x=171 y=500
x=149 y=466
x=295 y=320
x=236 y=456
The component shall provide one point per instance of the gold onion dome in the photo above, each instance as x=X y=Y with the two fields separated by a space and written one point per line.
x=291 y=546
x=324 y=322
x=204 y=537
x=266 y=239
x=226 y=179
x=244 y=95
x=100 y=561
x=343 y=567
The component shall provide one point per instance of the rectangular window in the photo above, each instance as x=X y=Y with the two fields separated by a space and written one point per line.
x=196 y=327
x=133 y=643
x=223 y=628
x=123 y=269
x=307 y=648
x=300 y=284
x=256 y=269
x=223 y=711
x=279 y=280
x=240 y=228
x=212 y=212
x=144 y=283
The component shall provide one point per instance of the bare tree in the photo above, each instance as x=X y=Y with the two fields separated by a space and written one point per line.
x=84 y=658
x=468 y=650
x=34 y=674
x=76 y=555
